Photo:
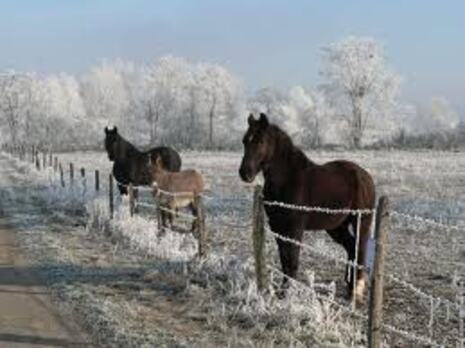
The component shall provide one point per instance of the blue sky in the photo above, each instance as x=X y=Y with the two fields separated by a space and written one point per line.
x=265 y=42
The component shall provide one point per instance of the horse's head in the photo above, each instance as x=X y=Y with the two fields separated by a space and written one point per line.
x=258 y=148
x=111 y=142
x=156 y=163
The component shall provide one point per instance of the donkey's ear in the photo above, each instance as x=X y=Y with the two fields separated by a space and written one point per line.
x=115 y=129
x=159 y=162
x=251 y=119
x=263 y=120
x=106 y=130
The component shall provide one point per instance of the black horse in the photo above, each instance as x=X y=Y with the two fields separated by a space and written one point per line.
x=132 y=165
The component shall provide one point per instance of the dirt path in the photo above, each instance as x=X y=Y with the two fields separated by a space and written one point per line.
x=27 y=315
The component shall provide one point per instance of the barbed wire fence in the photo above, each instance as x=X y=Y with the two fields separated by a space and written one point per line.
x=376 y=327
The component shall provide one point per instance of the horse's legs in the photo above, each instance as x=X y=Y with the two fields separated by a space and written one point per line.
x=342 y=236
x=135 y=193
x=172 y=207
x=362 y=274
x=123 y=190
x=163 y=218
x=195 y=222
x=289 y=254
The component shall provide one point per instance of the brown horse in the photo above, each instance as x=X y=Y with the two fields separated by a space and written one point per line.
x=175 y=189
x=290 y=177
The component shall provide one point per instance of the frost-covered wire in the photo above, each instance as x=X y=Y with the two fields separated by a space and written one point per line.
x=309 y=209
x=312 y=249
x=187 y=216
x=421 y=293
x=426 y=221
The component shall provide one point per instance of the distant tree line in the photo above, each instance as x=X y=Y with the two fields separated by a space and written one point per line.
x=198 y=105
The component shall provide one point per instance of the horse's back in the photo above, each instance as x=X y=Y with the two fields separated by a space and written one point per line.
x=344 y=182
x=170 y=158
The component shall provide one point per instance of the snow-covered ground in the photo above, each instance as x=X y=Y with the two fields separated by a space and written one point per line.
x=215 y=301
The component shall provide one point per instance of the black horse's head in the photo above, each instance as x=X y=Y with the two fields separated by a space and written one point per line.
x=111 y=142
x=258 y=147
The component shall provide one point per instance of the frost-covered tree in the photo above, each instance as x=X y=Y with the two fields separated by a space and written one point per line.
x=105 y=92
x=442 y=116
x=61 y=108
x=16 y=96
x=362 y=86
x=164 y=85
x=313 y=115
x=187 y=104
x=219 y=93
x=268 y=100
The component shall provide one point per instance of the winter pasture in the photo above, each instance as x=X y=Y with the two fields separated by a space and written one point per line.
x=130 y=287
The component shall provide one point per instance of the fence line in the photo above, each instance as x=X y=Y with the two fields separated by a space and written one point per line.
x=435 y=301
x=187 y=216
x=148 y=188
x=421 y=293
x=319 y=209
x=429 y=222
x=312 y=249
x=408 y=335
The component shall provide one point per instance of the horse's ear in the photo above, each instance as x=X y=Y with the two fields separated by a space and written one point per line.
x=115 y=129
x=263 y=120
x=251 y=119
x=159 y=162
x=106 y=130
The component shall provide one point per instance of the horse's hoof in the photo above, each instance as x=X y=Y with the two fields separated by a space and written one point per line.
x=280 y=294
x=359 y=293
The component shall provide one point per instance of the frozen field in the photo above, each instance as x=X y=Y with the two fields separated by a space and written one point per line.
x=216 y=300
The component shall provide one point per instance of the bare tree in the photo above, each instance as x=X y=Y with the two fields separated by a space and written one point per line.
x=358 y=78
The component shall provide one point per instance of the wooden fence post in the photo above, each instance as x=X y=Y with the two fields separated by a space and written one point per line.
x=461 y=294
x=62 y=176
x=97 y=181
x=33 y=151
x=37 y=160
x=259 y=238
x=132 y=201
x=44 y=159
x=84 y=181
x=55 y=164
x=375 y=310
x=71 y=174
x=159 y=212
x=200 y=225
x=110 y=193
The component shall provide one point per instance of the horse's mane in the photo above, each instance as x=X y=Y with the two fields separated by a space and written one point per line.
x=128 y=150
x=286 y=149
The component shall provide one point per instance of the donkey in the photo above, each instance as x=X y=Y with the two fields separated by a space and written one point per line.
x=131 y=165
x=175 y=189
x=292 y=178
